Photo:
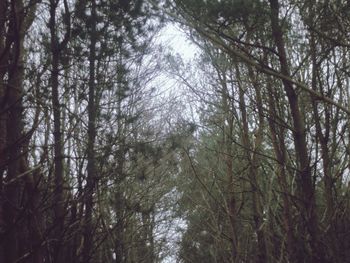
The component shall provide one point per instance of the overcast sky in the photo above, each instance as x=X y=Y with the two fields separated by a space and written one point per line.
x=175 y=38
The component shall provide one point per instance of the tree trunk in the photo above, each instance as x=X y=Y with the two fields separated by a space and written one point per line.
x=3 y=119
x=14 y=241
x=252 y=158
x=91 y=167
x=279 y=146
x=309 y=218
x=58 y=198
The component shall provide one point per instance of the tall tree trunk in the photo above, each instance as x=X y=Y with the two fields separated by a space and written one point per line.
x=253 y=170
x=58 y=182
x=304 y=177
x=226 y=123
x=14 y=94
x=323 y=140
x=91 y=167
x=279 y=146
x=3 y=112
x=13 y=241
x=3 y=119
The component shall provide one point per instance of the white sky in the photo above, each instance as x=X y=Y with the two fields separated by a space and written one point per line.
x=174 y=37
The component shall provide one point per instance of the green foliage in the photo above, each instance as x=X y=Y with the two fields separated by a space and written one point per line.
x=226 y=12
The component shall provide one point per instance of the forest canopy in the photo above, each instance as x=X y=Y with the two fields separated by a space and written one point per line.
x=116 y=148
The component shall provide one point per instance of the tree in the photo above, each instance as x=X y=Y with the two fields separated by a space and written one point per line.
x=273 y=53
x=103 y=160
x=16 y=178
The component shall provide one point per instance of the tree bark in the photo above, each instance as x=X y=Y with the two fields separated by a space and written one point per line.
x=91 y=167
x=3 y=119
x=279 y=146
x=59 y=196
x=13 y=241
x=309 y=218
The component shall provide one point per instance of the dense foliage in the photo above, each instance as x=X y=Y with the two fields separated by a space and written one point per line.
x=245 y=159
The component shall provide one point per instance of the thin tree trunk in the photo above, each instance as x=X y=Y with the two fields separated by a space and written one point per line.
x=278 y=142
x=91 y=167
x=227 y=156
x=252 y=158
x=58 y=201
x=3 y=118
x=3 y=112
x=323 y=139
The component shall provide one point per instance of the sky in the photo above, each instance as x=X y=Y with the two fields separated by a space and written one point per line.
x=175 y=41
x=174 y=37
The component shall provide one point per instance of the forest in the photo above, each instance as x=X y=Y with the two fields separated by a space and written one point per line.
x=115 y=147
